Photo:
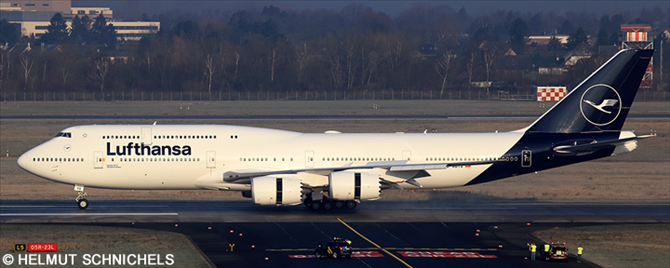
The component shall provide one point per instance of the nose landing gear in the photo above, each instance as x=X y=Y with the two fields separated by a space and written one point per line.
x=81 y=198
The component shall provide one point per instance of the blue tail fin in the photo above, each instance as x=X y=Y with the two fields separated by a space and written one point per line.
x=602 y=101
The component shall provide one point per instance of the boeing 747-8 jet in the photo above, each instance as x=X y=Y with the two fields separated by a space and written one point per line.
x=337 y=170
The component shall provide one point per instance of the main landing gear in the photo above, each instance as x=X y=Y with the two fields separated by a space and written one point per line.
x=327 y=204
x=81 y=198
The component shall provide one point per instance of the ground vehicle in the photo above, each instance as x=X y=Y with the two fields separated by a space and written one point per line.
x=557 y=252
x=338 y=248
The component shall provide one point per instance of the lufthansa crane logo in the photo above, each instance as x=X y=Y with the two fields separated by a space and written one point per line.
x=600 y=104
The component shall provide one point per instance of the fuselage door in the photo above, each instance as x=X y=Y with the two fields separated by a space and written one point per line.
x=97 y=163
x=146 y=136
x=526 y=158
x=309 y=159
x=211 y=159
x=406 y=155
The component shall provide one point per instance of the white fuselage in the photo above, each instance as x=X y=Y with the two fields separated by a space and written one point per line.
x=196 y=156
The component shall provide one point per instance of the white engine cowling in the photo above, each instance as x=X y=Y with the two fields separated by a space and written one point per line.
x=350 y=185
x=275 y=191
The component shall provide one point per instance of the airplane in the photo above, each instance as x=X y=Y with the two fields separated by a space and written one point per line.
x=333 y=170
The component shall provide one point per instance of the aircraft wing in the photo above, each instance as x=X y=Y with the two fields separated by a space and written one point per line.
x=246 y=176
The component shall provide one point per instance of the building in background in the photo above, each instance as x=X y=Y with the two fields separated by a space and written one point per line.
x=33 y=17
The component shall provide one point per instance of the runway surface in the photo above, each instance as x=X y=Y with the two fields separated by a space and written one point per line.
x=384 y=233
x=285 y=117
x=370 y=211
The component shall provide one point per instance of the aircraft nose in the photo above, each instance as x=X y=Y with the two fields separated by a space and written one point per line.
x=23 y=161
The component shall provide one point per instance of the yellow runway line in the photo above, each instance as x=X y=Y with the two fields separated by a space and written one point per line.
x=373 y=243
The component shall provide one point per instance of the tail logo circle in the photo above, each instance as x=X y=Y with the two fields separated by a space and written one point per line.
x=600 y=105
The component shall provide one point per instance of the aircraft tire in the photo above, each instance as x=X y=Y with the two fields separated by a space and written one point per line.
x=327 y=205
x=339 y=204
x=351 y=204
x=315 y=206
x=308 y=201
x=82 y=203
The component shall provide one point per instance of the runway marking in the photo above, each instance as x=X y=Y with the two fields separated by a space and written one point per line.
x=98 y=206
x=373 y=243
x=354 y=254
x=444 y=254
x=32 y=206
x=87 y=214
x=390 y=248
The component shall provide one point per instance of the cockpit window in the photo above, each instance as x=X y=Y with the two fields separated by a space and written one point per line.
x=64 y=134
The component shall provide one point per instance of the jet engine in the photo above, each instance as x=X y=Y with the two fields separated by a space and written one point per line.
x=350 y=185
x=275 y=191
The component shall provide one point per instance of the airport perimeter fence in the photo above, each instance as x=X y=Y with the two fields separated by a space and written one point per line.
x=642 y=95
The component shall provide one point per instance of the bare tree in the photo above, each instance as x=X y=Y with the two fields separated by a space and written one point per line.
x=4 y=61
x=371 y=67
x=237 y=65
x=272 y=65
x=99 y=72
x=64 y=70
x=210 y=69
x=470 y=64
x=442 y=65
x=165 y=62
x=334 y=62
x=489 y=54
x=27 y=67
x=333 y=57
x=301 y=58
x=394 y=52
x=350 y=45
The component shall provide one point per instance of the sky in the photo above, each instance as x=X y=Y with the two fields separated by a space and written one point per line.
x=393 y=8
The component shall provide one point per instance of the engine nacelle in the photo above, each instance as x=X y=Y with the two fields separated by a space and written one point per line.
x=275 y=191
x=350 y=185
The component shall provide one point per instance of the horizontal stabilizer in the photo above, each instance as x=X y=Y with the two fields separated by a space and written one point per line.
x=582 y=148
